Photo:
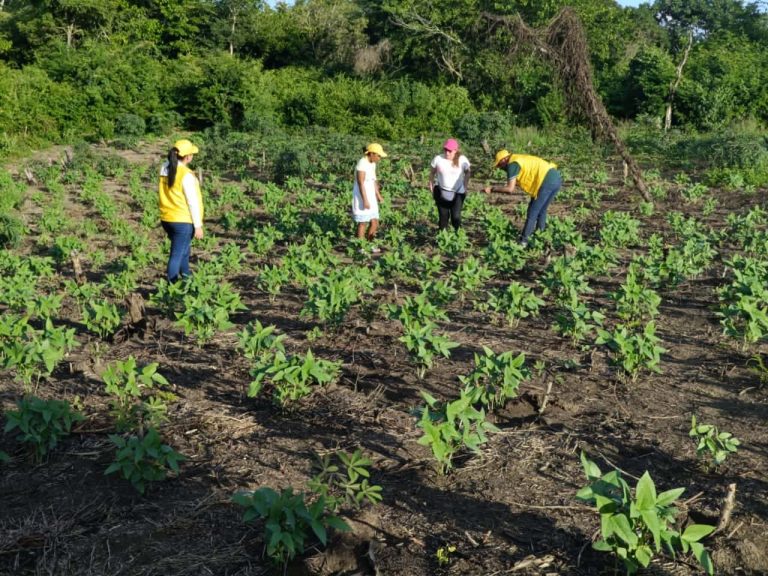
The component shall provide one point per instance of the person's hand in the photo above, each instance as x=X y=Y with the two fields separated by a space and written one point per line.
x=487 y=189
x=199 y=233
x=366 y=205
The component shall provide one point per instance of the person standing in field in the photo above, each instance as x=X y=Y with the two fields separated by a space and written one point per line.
x=181 y=207
x=538 y=178
x=366 y=194
x=452 y=171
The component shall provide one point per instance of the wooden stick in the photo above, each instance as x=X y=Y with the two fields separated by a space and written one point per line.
x=727 y=510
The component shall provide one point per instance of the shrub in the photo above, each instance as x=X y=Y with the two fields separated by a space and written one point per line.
x=11 y=231
x=130 y=127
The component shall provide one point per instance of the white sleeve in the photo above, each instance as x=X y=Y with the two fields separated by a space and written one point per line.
x=434 y=161
x=465 y=165
x=190 y=186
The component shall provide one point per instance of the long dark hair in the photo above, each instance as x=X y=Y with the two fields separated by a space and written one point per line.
x=173 y=164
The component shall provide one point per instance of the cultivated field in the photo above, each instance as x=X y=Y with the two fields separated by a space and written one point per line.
x=436 y=398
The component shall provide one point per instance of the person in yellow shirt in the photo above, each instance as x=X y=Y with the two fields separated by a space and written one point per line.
x=538 y=178
x=181 y=207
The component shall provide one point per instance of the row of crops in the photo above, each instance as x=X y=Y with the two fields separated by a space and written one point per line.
x=598 y=275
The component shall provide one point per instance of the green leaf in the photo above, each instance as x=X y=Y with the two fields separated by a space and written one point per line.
x=646 y=493
x=696 y=532
x=623 y=529
x=668 y=497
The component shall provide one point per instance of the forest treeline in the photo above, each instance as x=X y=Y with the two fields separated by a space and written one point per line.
x=384 y=68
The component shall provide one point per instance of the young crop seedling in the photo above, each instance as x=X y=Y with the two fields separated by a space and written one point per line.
x=515 y=302
x=424 y=344
x=33 y=354
x=495 y=378
x=142 y=459
x=137 y=400
x=42 y=423
x=633 y=351
x=636 y=528
x=451 y=426
x=101 y=317
x=290 y=519
x=713 y=443
x=291 y=377
x=344 y=478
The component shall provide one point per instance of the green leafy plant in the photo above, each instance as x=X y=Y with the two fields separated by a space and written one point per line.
x=345 y=478
x=635 y=529
x=33 y=354
x=451 y=426
x=256 y=340
x=291 y=377
x=42 y=423
x=634 y=351
x=137 y=400
x=424 y=344
x=495 y=377
x=143 y=459
x=101 y=317
x=712 y=442
x=744 y=302
x=290 y=519
x=515 y=302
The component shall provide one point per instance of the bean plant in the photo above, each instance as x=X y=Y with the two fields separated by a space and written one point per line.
x=42 y=423
x=452 y=426
x=633 y=350
x=635 y=528
x=142 y=459
x=713 y=443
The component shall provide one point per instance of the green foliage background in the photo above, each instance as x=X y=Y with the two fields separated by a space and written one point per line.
x=380 y=69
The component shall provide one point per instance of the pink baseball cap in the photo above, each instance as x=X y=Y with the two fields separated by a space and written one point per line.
x=451 y=144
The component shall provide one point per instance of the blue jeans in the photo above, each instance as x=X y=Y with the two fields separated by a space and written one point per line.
x=180 y=234
x=537 y=209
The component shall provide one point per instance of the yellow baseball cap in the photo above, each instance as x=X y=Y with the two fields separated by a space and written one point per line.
x=501 y=155
x=375 y=148
x=185 y=147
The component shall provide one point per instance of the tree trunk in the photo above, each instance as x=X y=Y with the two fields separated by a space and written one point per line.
x=70 y=35
x=676 y=83
x=232 y=35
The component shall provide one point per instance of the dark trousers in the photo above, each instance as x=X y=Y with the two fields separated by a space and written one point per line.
x=180 y=234
x=537 y=209
x=448 y=210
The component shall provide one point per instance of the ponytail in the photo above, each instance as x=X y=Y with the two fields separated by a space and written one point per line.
x=173 y=164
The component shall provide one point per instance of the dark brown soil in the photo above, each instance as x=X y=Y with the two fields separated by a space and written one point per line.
x=510 y=510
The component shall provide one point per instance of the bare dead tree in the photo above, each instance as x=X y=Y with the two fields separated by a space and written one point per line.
x=563 y=44
x=676 y=83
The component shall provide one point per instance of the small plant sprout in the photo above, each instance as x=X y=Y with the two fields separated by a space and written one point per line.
x=443 y=554
x=712 y=443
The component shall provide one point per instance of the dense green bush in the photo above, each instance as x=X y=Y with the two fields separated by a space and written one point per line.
x=130 y=126
x=11 y=231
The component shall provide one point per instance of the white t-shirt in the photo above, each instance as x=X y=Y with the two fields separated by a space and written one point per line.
x=369 y=183
x=450 y=178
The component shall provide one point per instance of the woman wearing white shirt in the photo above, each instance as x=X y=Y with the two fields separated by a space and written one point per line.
x=452 y=171
x=366 y=194
x=181 y=207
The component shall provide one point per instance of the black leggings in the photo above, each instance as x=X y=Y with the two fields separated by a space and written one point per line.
x=448 y=210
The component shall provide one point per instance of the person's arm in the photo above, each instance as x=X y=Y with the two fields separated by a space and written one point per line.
x=190 y=186
x=378 y=191
x=510 y=187
x=361 y=187
x=467 y=172
x=431 y=181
